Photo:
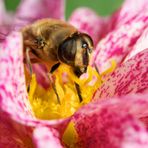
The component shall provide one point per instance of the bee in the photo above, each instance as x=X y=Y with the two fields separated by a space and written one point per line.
x=52 y=42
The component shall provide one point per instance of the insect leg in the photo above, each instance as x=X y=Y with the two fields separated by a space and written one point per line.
x=28 y=60
x=29 y=65
x=79 y=92
x=54 y=87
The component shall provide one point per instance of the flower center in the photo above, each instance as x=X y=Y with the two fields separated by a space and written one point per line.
x=44 y=102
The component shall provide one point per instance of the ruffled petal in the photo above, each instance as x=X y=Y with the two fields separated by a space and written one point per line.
x=120 y=41
x=31 y=10
x=46 y=138
x=113 y=123
x=130 y=77
x=86 y=20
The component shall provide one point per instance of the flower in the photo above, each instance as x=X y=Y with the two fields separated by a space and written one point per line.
x=117 y=115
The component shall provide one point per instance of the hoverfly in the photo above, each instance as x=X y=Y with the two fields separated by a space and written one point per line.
x=52 y=42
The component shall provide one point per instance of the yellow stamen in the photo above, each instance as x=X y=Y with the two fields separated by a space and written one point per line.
x=70 y=136
x=111 y=68
x=44 y=102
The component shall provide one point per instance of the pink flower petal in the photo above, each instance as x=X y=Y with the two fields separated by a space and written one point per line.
x=41 y=74
x=140 y=45
x=46 y=138
x=118 y=43
x=128 y=12
x=86 y=20
x=113 y=123
x=13 y=134
x=130 y=77
x=31 y=10
x=12 y=81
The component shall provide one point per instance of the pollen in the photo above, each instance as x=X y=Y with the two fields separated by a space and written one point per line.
x=44 y=102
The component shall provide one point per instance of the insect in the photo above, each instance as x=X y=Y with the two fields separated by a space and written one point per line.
x=52 y=42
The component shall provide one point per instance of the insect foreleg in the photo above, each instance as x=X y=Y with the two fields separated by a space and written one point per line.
x=54 y=87
x=28 y=60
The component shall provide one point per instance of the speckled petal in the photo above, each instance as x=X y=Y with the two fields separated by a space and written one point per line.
x=128 y=12
x=86 y=20
x=130 y=77
x=120 y=41
x=13 y=97
x=140 y=45
x=113 y=123
x=31 y=10
x=14 y=105
x=46 y=138
x=12 y=82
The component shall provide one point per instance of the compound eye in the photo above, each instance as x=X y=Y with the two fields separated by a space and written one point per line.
x=67 y=51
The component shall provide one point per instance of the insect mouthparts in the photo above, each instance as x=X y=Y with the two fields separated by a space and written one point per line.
x=80 y=70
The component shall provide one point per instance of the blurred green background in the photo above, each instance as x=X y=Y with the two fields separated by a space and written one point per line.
x=102 y=7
